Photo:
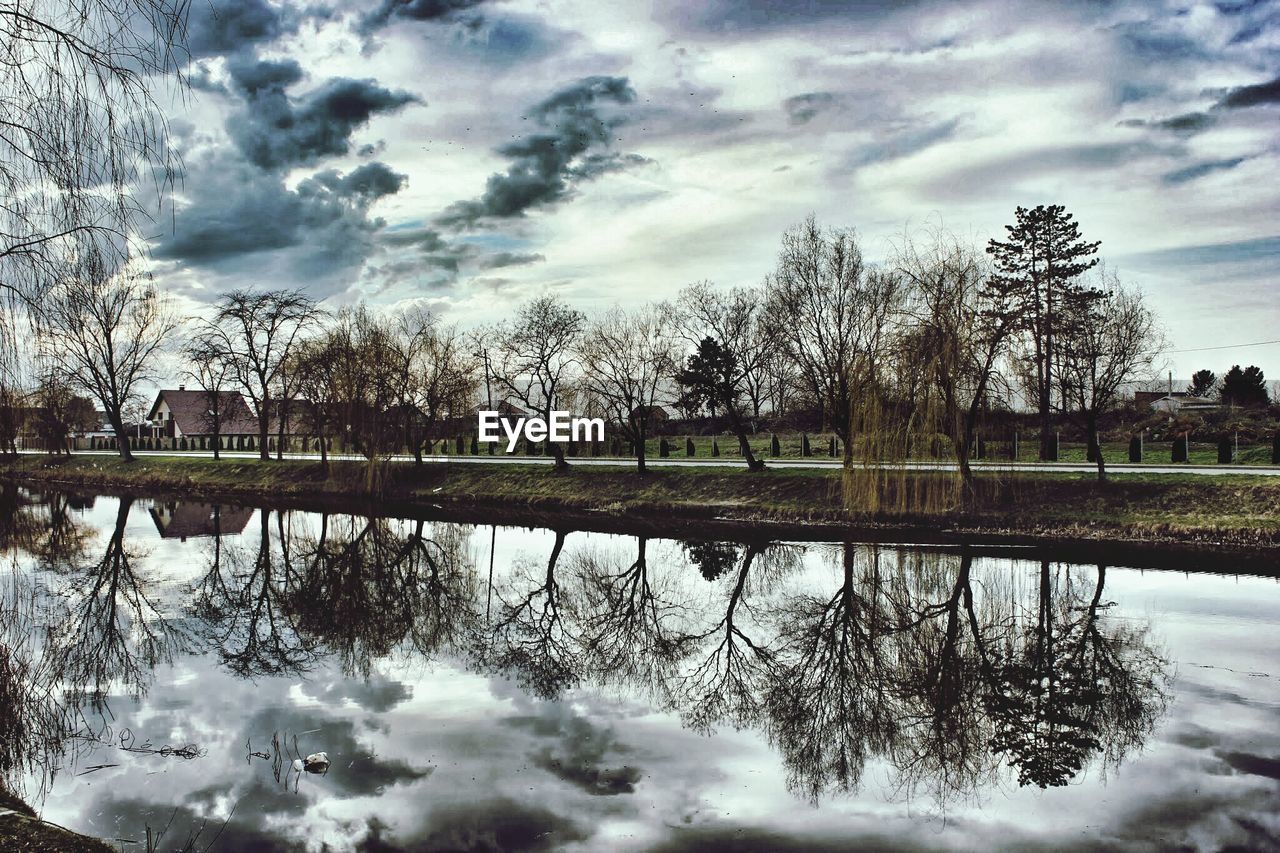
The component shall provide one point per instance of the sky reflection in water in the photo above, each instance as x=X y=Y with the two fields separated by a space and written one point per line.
x=609 y=692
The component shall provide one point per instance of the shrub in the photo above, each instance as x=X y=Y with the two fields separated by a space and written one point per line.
x=689 y=449
x=664 y=449
x=1225 y=448
x=1135 y=448
x=775 y=448
x=1179 y=453
x=715 y=447
x=805 y=450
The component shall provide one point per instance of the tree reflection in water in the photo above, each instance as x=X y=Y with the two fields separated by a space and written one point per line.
x=943 y=668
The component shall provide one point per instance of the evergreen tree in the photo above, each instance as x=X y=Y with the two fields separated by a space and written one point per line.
x=1202 y=383
x=1246 y=387
x=1037 y=272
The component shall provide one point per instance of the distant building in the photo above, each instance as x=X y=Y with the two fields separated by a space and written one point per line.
x=653 y=416
x=186 y=414
x=1172 y=402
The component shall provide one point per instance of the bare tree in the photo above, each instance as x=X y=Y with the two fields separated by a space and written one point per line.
x=537 y=352
x=60 y=414
x=318 y=363
x=256 y=333
x=1111 y=341
x=440 y=376
x=80 y=131
x=631 y=357
x=833 y=315
x=100 y=330
x=208 y=367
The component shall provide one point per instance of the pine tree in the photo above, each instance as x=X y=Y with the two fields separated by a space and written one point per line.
x=1246 y=387
x=1202 y=383
x=1036 y=277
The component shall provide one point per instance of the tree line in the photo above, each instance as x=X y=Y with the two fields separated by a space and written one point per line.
x=928 y=343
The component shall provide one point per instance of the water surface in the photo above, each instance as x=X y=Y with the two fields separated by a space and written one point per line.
x=481 y=687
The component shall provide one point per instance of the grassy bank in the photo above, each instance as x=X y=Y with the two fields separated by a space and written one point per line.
x=22 y=830
x=1238 y=510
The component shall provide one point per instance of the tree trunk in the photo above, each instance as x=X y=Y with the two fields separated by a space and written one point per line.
x=280 y=430
x=753 y=464
x=264 y=429
x=637 y=430
x=324 y=452
x=1097 y=449
x=122 y=440
x=558 y=452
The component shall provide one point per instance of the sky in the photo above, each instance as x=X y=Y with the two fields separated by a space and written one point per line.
x=468 y=155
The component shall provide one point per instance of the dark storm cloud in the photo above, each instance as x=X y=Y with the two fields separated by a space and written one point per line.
x=277 y=131
x=547 y=165
x=215 y=27
x=1199 y=170
x=733 y=17
x=1188 y=123
x=509 y=259
x=801 y=108
x=1252 y=96
x=1253 y=765
x=414 y=10
x=239 y=211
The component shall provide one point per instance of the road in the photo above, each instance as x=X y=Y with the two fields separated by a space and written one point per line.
x=658 y=462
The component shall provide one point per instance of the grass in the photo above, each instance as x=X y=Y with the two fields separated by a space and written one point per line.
x=791 y=447
x=23 y=832
x=1239 y=509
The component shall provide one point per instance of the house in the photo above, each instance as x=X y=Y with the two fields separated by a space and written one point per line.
x=182 y=413
x=653 y=416
x=1172 y=402
x=185 y=520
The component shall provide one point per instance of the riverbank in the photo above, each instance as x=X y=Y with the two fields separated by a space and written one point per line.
x=1233 y=510
x=22 y=830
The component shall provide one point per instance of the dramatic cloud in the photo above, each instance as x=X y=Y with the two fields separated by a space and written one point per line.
x=547 y=165
x=277 y=131
x=414 y=10
x=238 y=211
x=216 y=27
x=1199 y=170
x=1253 y=96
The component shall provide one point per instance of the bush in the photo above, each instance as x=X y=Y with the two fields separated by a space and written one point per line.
x=775 y=447
x=1135 y=449
x=1225 y=450
x=805 y=450
x=664 y=449
x=715 y=447
x=475 y=445
x=1180 y=448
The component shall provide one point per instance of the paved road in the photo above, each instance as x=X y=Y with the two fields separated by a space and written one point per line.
x=658 y=462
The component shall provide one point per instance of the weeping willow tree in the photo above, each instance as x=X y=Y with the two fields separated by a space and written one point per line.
x=931 y=385
x=84 y=154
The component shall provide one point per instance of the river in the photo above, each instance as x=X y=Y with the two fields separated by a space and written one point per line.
x=168 y=666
